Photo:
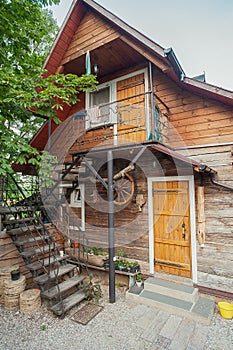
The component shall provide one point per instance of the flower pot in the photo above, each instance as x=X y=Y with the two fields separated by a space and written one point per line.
x=15 y=275
x=139 y=284
x=135 y=269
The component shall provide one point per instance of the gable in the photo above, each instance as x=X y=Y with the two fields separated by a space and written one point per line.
x=92 y=33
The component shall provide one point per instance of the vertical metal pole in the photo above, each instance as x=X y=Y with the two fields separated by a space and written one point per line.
x=111 y=248
x=152 y=102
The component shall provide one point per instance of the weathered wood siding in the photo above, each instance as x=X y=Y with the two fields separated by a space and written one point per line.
x=131 y=225
x=9 y=255
x=215 y=259
x=194 y=120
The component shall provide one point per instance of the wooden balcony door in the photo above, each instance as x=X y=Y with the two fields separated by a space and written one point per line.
x=172 y=232
x=131 y=116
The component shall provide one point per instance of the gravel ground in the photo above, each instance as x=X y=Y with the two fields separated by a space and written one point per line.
x=123 y=325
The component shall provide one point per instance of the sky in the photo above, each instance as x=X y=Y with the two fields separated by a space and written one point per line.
x=199 y=31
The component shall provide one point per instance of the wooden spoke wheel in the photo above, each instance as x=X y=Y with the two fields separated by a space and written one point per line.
x=124 y=190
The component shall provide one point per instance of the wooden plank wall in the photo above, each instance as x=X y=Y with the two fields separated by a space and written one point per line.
x=92 y=32
x=131 y=225
x=10 y=256
x=215 y=259
x=194 y=119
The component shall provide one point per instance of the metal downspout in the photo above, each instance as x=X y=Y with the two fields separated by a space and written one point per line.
x=217 y=183
x=152 y=103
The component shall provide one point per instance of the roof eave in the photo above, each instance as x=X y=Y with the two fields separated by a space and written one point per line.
x=214 y=91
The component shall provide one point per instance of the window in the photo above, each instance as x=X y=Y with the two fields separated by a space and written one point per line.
x=98 y=112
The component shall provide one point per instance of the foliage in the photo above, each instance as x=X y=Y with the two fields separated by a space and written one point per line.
x=43 y=327
x=16 y=187
x=95 y=251
x=121 y=253
x=27 y=96
x=139 y=277
x=93 y=290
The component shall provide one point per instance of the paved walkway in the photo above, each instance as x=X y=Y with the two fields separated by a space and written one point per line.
x=162 y=331
x=124 y=325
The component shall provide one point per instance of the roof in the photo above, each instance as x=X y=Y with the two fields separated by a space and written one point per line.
x=130 y=150
x=166 y=60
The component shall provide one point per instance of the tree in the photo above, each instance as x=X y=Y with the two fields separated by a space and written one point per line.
x=26 y=96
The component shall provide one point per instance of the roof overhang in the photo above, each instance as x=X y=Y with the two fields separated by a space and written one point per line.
x=128 y=151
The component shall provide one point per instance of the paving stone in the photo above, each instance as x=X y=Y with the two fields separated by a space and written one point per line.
x=152 y=331
x=183 y=334
x=198 y=339
x=145 y=320
x=170 y=327
x=139 y=310
x=162 y=342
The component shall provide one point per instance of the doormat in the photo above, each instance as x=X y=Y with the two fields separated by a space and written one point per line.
x=86 y=313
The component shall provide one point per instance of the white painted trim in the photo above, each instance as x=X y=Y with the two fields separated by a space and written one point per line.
x=79 y=204
x=190 y=179
x=112 y=85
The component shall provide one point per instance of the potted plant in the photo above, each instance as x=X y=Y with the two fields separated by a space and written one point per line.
x=139 y=280
x=135 y=267
x=94 y=256
x=15 y=274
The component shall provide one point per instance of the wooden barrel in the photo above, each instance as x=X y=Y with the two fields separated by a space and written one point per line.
x=12 y=290
x=30 y=300
x=5 y=274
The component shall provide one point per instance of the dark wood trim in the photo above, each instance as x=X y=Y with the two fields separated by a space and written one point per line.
x=214 y=292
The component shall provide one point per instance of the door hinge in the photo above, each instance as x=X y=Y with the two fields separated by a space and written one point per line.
x=167 y=263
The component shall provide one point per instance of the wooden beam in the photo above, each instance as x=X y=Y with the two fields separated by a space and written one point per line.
x=201 y=215
x=152 y=58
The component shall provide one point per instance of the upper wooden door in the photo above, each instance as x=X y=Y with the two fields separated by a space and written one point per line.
x=171 y=215
x=131 y=116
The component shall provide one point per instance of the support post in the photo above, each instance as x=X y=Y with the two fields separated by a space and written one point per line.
x=111 y=248
x=201 y=215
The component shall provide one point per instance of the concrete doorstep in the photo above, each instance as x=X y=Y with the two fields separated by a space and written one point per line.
x=175 y=298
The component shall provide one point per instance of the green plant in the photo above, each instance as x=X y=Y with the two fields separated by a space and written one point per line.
x=139 y=277
x=120 y=253
x=95 y=251
x=43 y=327
x=93 y=290
x=118 y=284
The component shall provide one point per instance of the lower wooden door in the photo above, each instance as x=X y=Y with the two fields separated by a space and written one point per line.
x=172 y=234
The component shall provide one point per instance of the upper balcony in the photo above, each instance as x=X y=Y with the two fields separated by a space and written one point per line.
x=133 y=119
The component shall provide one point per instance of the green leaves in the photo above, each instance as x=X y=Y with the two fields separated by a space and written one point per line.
x=26 y=97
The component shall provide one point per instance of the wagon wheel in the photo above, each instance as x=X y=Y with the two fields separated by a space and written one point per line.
x=124 y=190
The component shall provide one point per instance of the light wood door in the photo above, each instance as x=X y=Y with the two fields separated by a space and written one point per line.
x=131 y=120
x=171 y=214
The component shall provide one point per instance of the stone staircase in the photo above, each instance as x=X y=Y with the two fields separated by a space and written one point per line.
x=173 y=297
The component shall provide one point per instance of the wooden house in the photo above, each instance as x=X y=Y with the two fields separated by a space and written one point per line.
x=170 y=138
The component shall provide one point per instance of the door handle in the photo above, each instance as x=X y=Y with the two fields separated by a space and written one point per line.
x=183 y=230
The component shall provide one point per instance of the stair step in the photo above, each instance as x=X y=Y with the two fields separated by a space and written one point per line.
x=42 y=250
x=63 y=269
x=68 y=303
x=24 y=229
x=38 y=265
x=63 y=287
x=31 y=240
x=15 y=210
x=16 y=221
x=173 y=289
x=201 y=311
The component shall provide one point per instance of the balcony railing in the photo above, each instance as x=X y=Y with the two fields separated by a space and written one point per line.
x=137 y=113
